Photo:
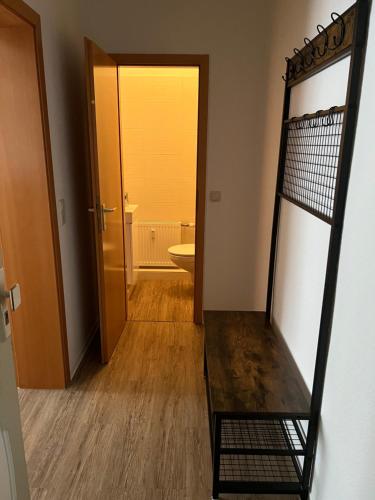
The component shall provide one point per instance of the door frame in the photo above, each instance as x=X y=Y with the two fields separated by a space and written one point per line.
x=202 y=62
x=27 y=14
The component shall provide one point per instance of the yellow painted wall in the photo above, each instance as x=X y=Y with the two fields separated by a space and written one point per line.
x=159 y=114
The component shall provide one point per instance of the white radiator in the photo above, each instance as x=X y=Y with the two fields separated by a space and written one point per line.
x=152 y=240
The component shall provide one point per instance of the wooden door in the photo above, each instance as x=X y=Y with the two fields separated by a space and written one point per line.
x=27 y=208
x=13 y=473
x=107 y=199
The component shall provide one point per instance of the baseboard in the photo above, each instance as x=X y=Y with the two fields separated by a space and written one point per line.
x=94 y=330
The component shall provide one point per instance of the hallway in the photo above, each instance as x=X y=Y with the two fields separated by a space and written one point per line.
x=134 y=429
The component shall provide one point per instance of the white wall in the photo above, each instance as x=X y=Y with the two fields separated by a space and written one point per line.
x=63 y=58
x=304 y=239
x=232 y=33
x=346 y=443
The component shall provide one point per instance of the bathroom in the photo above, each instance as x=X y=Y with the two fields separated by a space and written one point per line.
x=159 y=131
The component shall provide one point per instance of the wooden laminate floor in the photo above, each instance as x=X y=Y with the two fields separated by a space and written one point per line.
x=134 y=429
x=162 y=300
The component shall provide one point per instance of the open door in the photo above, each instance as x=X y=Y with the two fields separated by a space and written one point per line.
x=13 y=474
x=107 y=199
x=28 y=220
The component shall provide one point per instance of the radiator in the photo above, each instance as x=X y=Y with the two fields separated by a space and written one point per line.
x=152 y=240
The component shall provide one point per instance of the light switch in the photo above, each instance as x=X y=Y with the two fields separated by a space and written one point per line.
x=215 y=195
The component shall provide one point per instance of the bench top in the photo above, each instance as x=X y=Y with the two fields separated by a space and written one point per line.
x=250 y=369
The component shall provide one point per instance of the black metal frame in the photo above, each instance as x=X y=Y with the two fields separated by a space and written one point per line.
x=292 y=446
x=266 y=460
x=263 y=456
x=298 y=69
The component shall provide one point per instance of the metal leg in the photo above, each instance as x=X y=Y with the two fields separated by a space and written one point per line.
x=204 y=362
x=216 y=458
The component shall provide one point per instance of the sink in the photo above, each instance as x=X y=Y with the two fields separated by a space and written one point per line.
x=129 y=212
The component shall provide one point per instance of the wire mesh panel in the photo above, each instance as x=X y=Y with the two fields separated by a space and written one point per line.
x=311 y=161
x=257 y=468
x=261 y=434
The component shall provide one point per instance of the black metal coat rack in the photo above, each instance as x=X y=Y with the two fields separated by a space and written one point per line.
x=258 y=404
x=314 y=169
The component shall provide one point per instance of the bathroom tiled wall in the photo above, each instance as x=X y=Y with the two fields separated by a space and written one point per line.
x=159 y=113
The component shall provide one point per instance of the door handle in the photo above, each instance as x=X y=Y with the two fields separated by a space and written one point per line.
x=105 y=210
x=101 y=215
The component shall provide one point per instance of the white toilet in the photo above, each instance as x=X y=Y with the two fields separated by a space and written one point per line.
x=183 y=256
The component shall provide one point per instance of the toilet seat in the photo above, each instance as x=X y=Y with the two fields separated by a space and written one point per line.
x=183 y=256
x=185 y=250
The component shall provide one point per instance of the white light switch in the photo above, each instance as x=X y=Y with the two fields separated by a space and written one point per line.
x=215 y=195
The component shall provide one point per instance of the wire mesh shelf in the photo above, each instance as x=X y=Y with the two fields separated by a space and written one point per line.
x=311 y=161
x=258 y=468
x=277 y=435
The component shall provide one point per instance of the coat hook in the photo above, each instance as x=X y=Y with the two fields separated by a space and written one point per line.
x=337 y=19
x=293 y=123
x=321 y=30
x=291 y=69
x=309 y=45
x=305 y=121
x=302 y=60
x=299 y=123
x=313 y=122
x=319 y=117
x=330 y=117
x=286 y=76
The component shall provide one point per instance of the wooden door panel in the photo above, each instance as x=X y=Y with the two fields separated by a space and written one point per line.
x=104 y=131
x=25 y=216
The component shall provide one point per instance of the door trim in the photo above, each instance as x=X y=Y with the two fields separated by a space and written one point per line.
x=26 y=13
x=201 y=61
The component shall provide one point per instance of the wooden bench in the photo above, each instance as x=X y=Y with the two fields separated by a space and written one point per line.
x=257 y=402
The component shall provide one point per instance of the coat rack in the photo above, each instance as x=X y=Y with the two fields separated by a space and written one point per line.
x=330 y=45
x=263 y=420
x=314 y=169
